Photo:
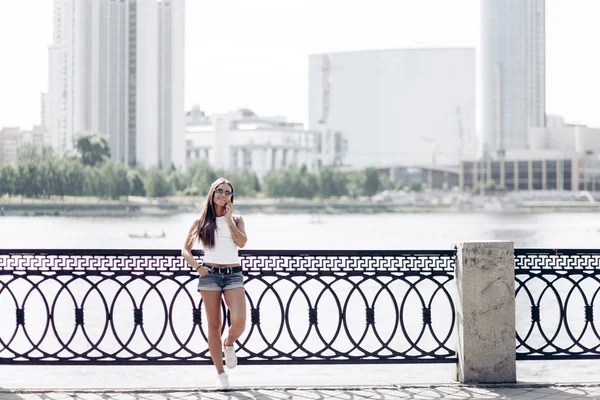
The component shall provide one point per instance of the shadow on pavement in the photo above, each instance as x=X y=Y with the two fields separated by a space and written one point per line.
x=405 y=392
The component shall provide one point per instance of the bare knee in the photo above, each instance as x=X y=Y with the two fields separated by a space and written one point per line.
x=238 y=324
x=214 y=329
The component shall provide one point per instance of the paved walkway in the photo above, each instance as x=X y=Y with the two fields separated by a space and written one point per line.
x=149 y=378
x=537 y=380
x=529 y=392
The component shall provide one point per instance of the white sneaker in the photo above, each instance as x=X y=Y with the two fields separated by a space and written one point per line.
x=223 y=382
x=230 y=357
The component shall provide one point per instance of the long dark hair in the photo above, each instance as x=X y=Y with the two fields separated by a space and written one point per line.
x=207 y=223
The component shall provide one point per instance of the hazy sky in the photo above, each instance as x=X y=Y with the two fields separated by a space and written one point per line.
x=254 y=53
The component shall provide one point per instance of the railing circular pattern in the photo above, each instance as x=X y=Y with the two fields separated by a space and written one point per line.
x=141 y=306
x=557 y=292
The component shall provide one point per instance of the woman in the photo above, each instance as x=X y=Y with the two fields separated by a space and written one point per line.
x=221 y=234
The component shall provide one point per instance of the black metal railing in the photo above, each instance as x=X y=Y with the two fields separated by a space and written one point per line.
x=141 y=306
x=557 y=292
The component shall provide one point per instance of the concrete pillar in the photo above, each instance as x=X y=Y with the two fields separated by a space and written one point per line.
x=544 y=173
x=461 y=175
x=530 y=175
x=259 y=162
x=485 y=279
x=575 y=175
x=559 y=175
x=239 y=159
x=278 y=158
x=284 y=158
x=502 y=174
x=272 y=155
x=516 y=177
x=476 y=174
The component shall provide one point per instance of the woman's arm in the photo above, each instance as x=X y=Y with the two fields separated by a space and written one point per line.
x=236 y=226
x=186 y=252
x=238 y=231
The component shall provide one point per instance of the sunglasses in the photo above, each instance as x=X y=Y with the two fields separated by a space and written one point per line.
x=221 y=191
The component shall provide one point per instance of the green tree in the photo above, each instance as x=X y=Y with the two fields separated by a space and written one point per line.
x=332 y=182
x=308 y=184
x=7 y=180
x=156 y=184
x=355 y=183
x=272 y=184
x=30 y=180
x=92 y=148
x=416 y=186
x=28 y=152
x=176 y=179
x=115 y=179
x=245 y=182
x=137 y=182
x=291 y=182
x=491 y=186
x=73 y=177
x=51 y=179
x=372 y=183
x=198 y=177
x=388 y=184
x=93 y=184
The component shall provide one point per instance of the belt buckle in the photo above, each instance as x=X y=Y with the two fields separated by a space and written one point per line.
x=227 y=271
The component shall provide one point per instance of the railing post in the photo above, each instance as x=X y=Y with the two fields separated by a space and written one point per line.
x=485 y=307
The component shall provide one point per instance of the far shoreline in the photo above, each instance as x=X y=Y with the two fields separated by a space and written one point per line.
x=132 y=209
x=93 y=207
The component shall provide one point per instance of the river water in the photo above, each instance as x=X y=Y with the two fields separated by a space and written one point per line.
x=297 y=231
x=301 y=231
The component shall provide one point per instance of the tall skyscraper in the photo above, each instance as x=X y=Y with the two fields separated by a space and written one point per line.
x=116 y=67
x=511 y=72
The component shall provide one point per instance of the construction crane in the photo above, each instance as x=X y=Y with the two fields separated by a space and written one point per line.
x=323 y=145
x=326 y=87
x=459 y=126
x=328 y=136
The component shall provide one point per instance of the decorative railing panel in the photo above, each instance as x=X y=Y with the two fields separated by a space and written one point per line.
x=141 y=306
x=557 y=294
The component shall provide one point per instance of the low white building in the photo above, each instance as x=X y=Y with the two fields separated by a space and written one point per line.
x=9 y=144
x=559 y=157
x=12 y=138
x=558 y=135
x=38 y=136
x=242 y=140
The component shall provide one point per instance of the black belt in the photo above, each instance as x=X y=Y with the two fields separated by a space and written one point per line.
x=223 y=270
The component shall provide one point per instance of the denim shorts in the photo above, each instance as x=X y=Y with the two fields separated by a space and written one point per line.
x=218 y=282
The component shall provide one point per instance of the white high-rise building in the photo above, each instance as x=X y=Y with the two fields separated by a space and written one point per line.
x=511 y=72
x=116 y=67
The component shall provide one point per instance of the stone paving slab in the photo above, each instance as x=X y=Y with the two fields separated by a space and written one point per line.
x=517 y=391
x=192 y=377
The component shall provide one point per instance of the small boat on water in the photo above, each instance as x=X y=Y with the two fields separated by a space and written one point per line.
x=315 y=218
x=145 y=235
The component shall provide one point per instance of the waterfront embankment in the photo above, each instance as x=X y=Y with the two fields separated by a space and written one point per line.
x=88 y=206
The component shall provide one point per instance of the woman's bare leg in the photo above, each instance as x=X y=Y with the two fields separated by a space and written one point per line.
x=212 y=306
x=236 y=301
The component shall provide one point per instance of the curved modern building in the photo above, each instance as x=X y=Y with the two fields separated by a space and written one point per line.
x=413 y=106
x=511 y=72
